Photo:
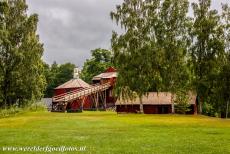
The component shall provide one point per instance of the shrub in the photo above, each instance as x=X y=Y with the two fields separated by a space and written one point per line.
x=182 y=102
x=209 y=110
x=12 y=111
x=38 y=106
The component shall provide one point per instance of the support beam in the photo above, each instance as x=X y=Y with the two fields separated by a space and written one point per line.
x=97 y=101
x=82 y=103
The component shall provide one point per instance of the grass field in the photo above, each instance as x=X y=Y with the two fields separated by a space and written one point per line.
x=107 y=132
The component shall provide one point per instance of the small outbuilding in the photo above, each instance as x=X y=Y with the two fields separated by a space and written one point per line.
x=153 y=103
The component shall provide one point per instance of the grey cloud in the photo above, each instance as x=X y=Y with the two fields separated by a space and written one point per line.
x=69 y=29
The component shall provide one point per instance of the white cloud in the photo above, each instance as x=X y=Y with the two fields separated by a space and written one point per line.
x=62 y=15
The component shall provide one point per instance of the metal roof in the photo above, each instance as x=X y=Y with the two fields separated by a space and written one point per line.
x=106 y=75
x=154 y=98
x=74 y=83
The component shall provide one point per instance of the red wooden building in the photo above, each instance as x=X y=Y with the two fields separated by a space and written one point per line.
x=73 y=85
x=77 y=95
x=109 y=76
x=154 y=103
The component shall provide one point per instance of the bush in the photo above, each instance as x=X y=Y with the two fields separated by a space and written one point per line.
x=14 y=110
x=209 y=110
x=38 y=106
x=182 y=102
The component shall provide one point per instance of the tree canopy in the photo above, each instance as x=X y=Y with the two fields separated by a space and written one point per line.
x=100 y=61
x=153 y=48
x=164 y=49
x=21 y=66
x=57 y=75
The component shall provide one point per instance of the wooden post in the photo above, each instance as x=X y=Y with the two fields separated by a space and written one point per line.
x=97 y=100
x=81 y=104
x=52 y=107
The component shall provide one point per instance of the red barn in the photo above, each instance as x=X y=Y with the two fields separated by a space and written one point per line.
x=72 y=85
x=76 y=94
x=153 y=103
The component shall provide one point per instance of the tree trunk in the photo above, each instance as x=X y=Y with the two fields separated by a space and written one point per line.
x=4 y=89
x=227 y=109
x=141 y=106
x=200 y=104
x=173 y=106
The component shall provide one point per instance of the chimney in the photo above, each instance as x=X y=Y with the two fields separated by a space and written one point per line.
x=76 y=73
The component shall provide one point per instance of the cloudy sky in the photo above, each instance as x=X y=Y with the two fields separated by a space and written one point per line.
x=69 y=29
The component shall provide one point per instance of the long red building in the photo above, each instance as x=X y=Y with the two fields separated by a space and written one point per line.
x=154 y=103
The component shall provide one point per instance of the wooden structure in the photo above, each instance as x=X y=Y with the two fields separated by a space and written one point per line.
x=76 y=95
x=109 y=76
x=154 y=103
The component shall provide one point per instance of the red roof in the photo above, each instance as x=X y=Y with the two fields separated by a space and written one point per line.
x=111 y=69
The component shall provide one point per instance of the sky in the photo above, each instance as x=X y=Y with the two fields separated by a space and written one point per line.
x=70 y=29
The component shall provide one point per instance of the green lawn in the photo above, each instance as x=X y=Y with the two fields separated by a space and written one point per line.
x=107 y=132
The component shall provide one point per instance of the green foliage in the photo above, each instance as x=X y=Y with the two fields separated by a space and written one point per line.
x=100 y=61
x=163 y=49
x=11 y=111
x=182 y=102
x=37 y=106
x=57 y=75
x=209 y=110
x=151 y=54
x=208 y=49
x=221 y=89
x=173 y=40
x=21 y=66
x=14 y=110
